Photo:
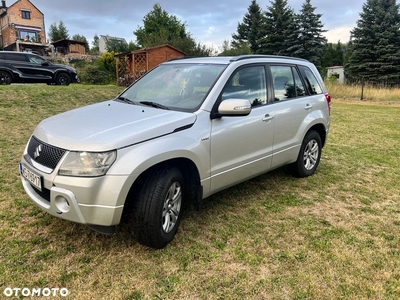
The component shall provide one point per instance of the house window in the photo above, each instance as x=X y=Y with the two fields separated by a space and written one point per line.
x=29 y=36
x=25 y=14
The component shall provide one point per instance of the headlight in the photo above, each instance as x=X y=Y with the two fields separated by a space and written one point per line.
x=87 y=164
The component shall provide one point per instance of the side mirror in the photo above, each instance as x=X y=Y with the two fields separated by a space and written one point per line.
x=45 y=63
x=234 y=107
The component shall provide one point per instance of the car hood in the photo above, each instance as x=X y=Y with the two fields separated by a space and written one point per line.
x=110 y=125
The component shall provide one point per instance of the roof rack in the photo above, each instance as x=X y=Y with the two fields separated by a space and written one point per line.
x=250 y=56
x=179 y=58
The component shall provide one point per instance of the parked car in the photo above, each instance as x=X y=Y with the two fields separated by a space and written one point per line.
x=184 y=131
x=25 y=67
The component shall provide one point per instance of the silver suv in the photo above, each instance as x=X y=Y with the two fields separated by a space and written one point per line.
x=188 y=129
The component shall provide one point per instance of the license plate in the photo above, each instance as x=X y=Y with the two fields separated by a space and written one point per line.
x=32 y=177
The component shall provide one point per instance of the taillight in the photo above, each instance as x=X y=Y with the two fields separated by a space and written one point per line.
x=328 y=100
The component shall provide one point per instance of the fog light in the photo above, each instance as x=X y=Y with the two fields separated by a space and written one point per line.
x=61 y=204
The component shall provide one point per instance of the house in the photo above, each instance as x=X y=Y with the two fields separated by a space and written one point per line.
x=132 y=65
x=65 y=46
x=337 y=72
x=22 y=27
x=104 y=39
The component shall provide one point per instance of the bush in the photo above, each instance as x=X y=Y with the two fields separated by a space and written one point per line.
x=108 y=62
x=94 y=74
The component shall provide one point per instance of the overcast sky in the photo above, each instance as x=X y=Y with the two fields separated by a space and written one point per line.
x=210 y=22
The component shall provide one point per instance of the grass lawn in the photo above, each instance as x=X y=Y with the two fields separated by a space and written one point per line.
x=335 y=235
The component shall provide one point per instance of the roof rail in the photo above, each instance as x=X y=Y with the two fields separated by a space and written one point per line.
x=179 y=58
x=250 y=56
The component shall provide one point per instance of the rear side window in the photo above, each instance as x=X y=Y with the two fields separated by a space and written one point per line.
x=311 y=81
x=286 y=82
x=16 y=57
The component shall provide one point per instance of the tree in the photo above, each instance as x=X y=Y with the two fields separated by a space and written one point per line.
x=81 y=38
x=278 y=19
x=305 y=36
x=159 y=27
x=333 y=55
x=95 y=45
x=250 y=31
x=58 y=32
x=116 y=45
x=375 y=44
x=228 y=50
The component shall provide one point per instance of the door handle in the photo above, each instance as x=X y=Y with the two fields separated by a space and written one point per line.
x=308 y=106
x=268 y=117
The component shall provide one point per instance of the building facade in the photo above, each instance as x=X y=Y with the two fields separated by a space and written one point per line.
x=22 y=27
x=337 y=72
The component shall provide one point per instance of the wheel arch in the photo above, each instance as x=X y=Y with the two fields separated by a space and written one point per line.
x=194 y=192
x=320 y=128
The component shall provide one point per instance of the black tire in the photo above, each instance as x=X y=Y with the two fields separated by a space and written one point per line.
x=5 y=77
x=157 y=207
x=63 y=79
x=309 y=155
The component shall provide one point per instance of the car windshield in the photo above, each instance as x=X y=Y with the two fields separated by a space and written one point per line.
x=174 y=86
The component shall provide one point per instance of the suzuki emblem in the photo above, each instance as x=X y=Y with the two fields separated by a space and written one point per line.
x=38 y=149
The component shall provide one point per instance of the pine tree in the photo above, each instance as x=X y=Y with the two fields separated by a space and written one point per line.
x=375 y=44
x=250 y=31
x=58 y=32
x=306 y=35
x=278 y=19
x=333 y=55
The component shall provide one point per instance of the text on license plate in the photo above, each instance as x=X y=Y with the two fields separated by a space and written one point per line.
x=33 y=178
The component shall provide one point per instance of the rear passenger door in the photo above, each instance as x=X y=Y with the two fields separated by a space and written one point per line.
x=293 y=103
x=18 y=62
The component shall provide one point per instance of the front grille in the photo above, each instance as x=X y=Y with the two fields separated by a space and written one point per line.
x=44 y=154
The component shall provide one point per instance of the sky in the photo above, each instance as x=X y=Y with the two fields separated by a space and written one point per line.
x=210 y=22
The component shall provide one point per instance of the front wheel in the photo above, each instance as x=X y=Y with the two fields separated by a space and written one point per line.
x=158 y=207
x=309 y=155
x=5 y=77
x=63 y=79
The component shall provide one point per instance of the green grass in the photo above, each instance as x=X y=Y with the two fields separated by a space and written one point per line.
x=335 y=235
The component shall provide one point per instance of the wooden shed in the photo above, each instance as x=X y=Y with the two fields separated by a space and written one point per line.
x=66 y=46
x=132 y=65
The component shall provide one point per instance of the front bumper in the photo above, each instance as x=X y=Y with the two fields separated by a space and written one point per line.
x=92 y=201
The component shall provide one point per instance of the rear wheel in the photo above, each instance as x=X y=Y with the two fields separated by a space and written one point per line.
x=309 y=155
x=5 y=77
x=63 y=79
x=158 y=207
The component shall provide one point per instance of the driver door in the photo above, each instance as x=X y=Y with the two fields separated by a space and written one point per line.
x=241 y=146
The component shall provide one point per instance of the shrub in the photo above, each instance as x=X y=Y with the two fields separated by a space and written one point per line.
x=94 y=74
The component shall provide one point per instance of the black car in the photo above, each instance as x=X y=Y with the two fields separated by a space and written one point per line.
x=25 y=67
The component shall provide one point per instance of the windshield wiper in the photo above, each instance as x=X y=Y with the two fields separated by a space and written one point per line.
x=154 y=104
x=126 y=100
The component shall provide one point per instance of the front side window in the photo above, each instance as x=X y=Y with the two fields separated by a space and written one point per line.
x=25 y=14
x=247 y=83
x=175 y=86
x=36 y=59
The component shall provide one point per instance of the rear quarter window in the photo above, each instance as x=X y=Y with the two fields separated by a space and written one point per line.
x=311 y=81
